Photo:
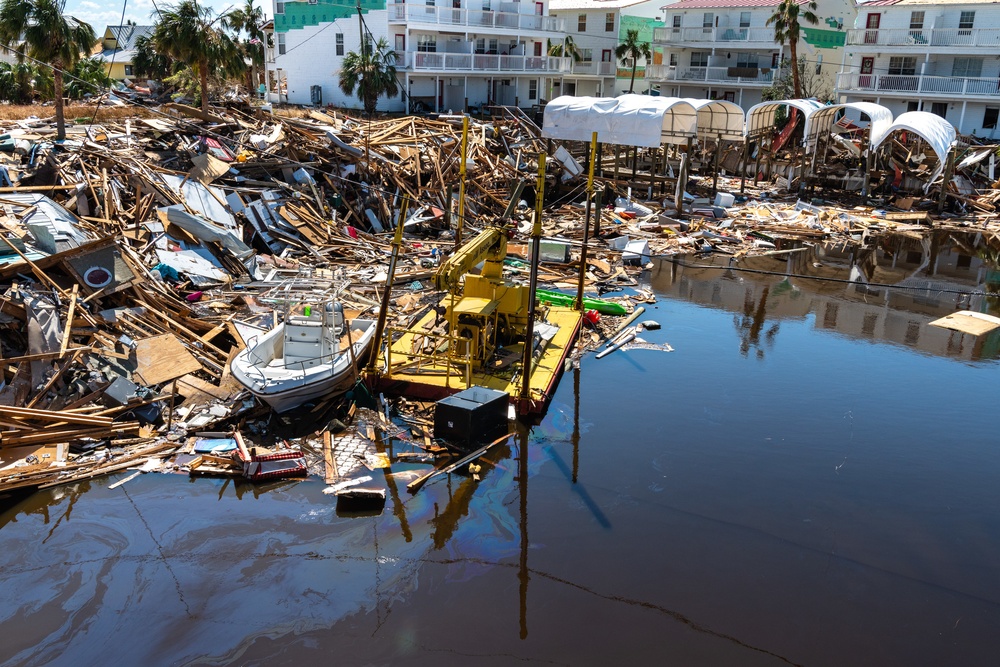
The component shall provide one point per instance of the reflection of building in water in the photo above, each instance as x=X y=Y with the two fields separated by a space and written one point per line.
x=844 y=288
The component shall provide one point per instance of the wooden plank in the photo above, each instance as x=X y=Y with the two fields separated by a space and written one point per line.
x=69 y=320
x=54 y=416
x=969 y=322
x=163 y=358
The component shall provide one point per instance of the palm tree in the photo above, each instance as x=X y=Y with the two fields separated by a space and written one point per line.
x=566 y=47
x=633 y=48
x=786 y=29
x=372 y=72
x=187 y=32
x=249 y=19
x=148 y=62
x=38 y=29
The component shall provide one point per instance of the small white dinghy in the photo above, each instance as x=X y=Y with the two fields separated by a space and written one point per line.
x=313 y=354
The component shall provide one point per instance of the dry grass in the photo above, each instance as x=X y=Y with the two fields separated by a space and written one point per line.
x=82 y=113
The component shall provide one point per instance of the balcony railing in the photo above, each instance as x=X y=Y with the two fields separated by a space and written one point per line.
x=734 y=75
x=476 y=62
x=473 y=18
x=916 y=83
x=594 y=68
x=982 y=37
x=728 y=35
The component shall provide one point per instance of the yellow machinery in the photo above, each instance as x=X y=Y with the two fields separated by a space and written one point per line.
x=476 y=335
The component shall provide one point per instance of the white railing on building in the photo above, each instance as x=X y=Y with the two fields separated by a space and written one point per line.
x=474 y=62
x=981 y=37
x=916 y=83
x=741 y=75
x=594 y=68
x=473 y=18
x=729 y=35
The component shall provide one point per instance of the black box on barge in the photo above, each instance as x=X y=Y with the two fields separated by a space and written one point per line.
x=476 y=415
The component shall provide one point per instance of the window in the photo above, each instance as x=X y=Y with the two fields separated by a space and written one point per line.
x=677 y=22
x=744 y=19
x=699 y=59
x=819 y=63
x=495 y=46
x=747 y=60
x=281 y=43
x=532 y=89
x=902 y=65
x=279 y=8
x=340 y=43
x=916 y=20
x=581 y=23
x=963 y=262
x=940 y=109
x=673 y=60
x=990 y=117
x=486 y=5
x=129 y=70
x=481 y=45
x=609 y=22
x=970 y=67
x=427 y=43
x=708 y=20
x=588 y=55
x=965 y=21
x=913 y=106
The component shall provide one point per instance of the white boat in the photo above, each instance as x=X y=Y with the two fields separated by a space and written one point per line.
x=315 y=353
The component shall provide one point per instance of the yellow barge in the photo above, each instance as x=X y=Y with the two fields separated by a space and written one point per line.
x=477 y=332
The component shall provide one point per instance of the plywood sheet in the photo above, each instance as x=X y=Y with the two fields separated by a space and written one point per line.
x=968 y=322
x=163 y=358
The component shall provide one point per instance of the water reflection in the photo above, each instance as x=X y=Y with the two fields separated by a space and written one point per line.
x=888 y=291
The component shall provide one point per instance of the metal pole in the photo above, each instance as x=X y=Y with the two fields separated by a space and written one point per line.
x=397 y=243
x=586 y=222
x=461 y=182
x=743 y=164
x=715 y=176
x=536 y=242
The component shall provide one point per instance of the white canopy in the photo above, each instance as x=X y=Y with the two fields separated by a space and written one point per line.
x=629 y=120
x=936 y=131
x=822 y=120
x=760 y=117
x=719 y=118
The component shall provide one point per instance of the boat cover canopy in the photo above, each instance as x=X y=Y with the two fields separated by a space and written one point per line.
x=820 y=122
x=936 y=131
x=760 y=117
x=628 y=120
x=719 y=118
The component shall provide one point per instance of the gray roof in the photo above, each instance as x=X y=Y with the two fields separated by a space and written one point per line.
x=126 y=36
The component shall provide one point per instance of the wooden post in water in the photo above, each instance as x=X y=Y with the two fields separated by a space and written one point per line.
x=397 y=243
x=586 y=223
x=536 y=242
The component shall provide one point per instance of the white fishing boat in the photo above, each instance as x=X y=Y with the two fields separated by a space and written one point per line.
x=314 y=353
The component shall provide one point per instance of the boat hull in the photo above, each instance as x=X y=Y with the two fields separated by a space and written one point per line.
x=284 y=389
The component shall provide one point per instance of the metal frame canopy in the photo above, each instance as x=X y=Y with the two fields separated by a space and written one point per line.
x=628 y=120
x=936 y=131
x=760 y=117
x=718 y=118
x=821 y=121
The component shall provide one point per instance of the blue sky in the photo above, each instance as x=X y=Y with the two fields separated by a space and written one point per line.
x=102 y=14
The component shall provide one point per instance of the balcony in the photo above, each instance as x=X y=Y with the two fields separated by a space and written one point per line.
x=420 y=61
x=743 y=76
x=593 y=68
x=945 y=86
x=472 y=18
x=751 y=37
x=945 y=37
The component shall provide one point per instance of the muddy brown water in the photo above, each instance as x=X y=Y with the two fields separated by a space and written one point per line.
x=810 y=478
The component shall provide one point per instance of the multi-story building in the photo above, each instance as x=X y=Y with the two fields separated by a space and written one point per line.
x=450 y=54
x=596 y=28
x=724 y=49
x=942 y=57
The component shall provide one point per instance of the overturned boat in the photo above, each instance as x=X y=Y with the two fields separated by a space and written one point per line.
x=314 y=353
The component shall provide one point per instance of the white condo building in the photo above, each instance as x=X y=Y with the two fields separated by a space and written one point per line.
x=913 y=55
x=724 y=49
x=597 y=27
x=451 y=54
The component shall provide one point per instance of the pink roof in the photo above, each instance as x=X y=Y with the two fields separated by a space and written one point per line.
x=707 y=4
